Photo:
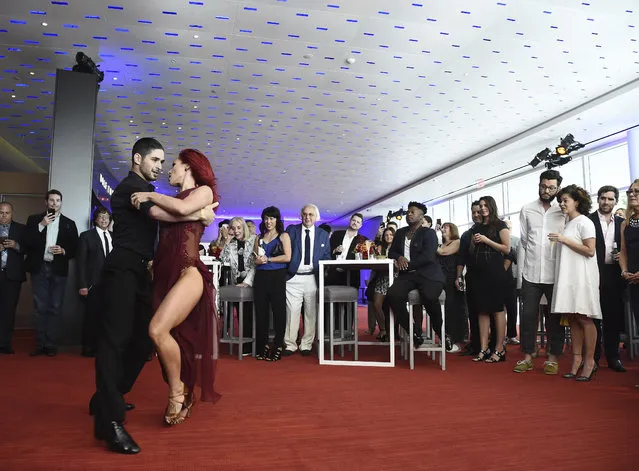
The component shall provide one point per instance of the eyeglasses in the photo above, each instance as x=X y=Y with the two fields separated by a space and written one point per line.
x=632 y=192
x=549 y=189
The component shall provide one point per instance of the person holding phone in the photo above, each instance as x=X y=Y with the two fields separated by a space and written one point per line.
x=50 y=242
x=12 y=273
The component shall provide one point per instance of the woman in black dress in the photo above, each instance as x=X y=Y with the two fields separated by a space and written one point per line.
x=629 y=255
x=490 y=243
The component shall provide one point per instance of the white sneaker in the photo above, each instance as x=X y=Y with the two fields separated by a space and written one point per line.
x=454 y=349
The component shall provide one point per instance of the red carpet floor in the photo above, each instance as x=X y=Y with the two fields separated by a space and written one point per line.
x=296 y=415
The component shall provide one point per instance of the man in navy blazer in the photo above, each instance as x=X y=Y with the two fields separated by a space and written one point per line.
x=309 y=245
x=414 y=250
x=12 y=273
x=611 y=285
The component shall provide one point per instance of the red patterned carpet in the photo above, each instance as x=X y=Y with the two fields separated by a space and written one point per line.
x=296 y=415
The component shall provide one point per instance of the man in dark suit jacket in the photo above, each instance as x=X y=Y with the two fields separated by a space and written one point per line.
x=611 y=285
x=343 y=243
x=414 y=250
x=309 y=245
x=51 y=241
x=93 y=247
x=12 y=273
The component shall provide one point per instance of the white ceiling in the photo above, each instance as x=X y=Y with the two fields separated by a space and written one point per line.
x=285 y=120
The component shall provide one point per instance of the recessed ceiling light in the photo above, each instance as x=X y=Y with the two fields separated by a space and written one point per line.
x=130 y=121
x=195 y=36
x=31 y=73
x=179 y=127
x=13 y=96
x=194 y=106
x=307 y=56
x=163 y=124
x=44 y=23
x=115 y=78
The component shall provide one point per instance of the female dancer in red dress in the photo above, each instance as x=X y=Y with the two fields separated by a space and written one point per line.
x=184 y=325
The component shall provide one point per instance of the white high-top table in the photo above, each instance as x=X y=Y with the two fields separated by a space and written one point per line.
x=214 y=265
x=354 y=265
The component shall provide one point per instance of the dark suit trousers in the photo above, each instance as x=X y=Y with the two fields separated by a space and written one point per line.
x=123 y=338
x=611 y=288
x=91 y=305
x=429 y=292
x=511 y=309
x=9 y=296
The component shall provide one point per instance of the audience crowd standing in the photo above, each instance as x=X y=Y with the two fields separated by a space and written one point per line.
x=579 y=262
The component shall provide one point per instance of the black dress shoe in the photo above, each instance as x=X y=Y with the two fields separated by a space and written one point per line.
x=287 y=353
x=617 y=366
x=118 y=439
x=37 y=352
x=305 y=353
x=418 y=340
x=51 y=351
x=7 y=351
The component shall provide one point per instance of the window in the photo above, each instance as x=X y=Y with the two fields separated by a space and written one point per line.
x=440 y=211
x=609 y=167
x=522 y=191
x=573 y=173
x=461 y=210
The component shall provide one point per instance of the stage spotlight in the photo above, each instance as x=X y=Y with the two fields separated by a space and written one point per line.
x=540 y=157
x=568 y=145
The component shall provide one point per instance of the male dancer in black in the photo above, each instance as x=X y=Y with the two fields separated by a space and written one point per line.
x=125 y=291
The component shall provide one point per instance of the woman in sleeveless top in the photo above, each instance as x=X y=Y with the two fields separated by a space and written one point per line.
x=273 y=252
x=490 y=244
x=184 y=325
x=380 y=284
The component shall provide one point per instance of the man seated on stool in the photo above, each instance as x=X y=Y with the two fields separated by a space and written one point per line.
x=309 y=245
x=414 y=250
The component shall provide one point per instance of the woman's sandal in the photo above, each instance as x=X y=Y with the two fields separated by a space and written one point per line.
x=497 y=357
x=173 y=414
x=265 y=354
x=276 y=354
x=482 y=355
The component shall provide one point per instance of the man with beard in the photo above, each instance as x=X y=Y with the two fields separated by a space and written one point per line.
x=414 y=250
x=536 y=260
x=608 y=230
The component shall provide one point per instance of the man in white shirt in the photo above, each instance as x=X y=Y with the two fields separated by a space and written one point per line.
x=309 y=245
x=93 y=247
x=611 y=285
x=343 y=244
x=50 y=241
x=536 y=264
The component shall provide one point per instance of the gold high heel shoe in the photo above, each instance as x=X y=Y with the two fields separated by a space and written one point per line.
x=173 y=414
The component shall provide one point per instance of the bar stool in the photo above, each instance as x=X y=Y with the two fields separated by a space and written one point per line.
x=228 y=296
x=345 y=297
x=429 y=344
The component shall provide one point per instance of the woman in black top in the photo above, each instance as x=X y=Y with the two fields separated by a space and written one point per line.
x=490 y=243
x=455 y=305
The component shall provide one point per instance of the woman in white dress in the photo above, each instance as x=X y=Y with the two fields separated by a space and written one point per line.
x=576 y=290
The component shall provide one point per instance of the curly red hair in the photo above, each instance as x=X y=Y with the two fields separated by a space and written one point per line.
x=200 y=168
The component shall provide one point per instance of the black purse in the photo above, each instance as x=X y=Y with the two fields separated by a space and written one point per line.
x=279 y=248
